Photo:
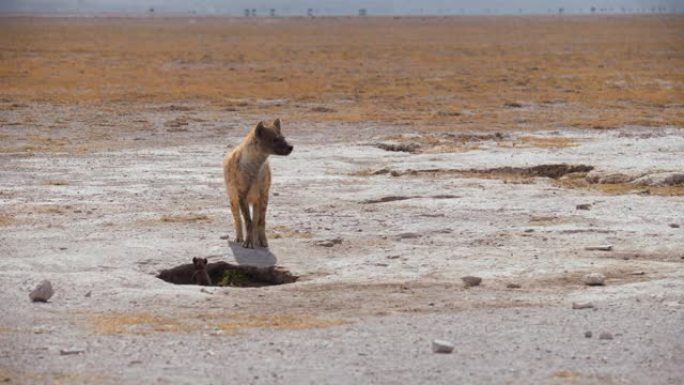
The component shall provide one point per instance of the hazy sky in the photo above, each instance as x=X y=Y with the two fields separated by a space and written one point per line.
x=299 y=7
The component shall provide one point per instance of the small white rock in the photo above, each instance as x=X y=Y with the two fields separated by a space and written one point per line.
x=595 y=279
x=441 y=346
x=582 y=305
x=42 y=292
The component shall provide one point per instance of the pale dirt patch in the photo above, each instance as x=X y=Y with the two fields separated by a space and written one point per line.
x=277 y=321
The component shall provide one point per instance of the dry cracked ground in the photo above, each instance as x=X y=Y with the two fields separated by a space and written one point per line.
x=379 y=224
x=560 y=157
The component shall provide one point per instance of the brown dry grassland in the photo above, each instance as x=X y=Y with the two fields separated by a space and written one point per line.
x=476 y=72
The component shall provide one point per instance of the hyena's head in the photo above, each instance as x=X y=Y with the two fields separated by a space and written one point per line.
x=270 y=140
x=200 y=263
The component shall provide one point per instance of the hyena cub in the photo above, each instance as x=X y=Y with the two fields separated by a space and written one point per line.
x=248 y=179
x=200 y=276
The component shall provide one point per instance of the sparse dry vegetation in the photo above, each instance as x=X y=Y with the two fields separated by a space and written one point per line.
x=473 y=72
x=145 y=323
x=191 y=217
x=547 y=142
x=277 y=321
x=135 y=323
x=56 y=182
x=579 y=180
x=6 y=220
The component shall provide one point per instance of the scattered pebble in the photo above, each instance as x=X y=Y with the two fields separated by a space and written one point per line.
x=599 y=248
x=441 y=346
x=585 y=305
x=583 y=206
x=88 y=294
x=513 y=286
x=587 y=334
x=674 y=225
x=605 y=336
x=392 y=257
x=42 y=292
x=471 y=281
x=594 y=279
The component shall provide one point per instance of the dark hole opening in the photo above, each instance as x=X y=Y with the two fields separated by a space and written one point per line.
x=227 y=274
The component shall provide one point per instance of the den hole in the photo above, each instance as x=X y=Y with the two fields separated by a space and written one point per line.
x=226 y=274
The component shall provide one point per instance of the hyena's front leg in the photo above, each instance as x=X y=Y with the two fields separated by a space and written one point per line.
x=244 y=207
x=256 y=234
x=261 y=224
x=237 y=221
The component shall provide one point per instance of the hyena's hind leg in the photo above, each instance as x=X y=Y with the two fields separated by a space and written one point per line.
x=261 y=225
x=244 y=207
x=237 y=221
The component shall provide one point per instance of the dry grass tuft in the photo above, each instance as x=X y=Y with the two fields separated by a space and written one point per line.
x=50 y=209
x=136 y=323
x=181 y=218
x=578 y=180
x=146 y=323
x=56 y=182
x=6 y=220
x=566 y=374
x=546 y=142
x=278 y=321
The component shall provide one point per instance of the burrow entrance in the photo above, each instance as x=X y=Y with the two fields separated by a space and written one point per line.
x=227 y=274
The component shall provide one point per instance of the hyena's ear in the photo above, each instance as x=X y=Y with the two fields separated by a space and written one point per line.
x=276 y=124
x=205 y=261
x=259 y=130
x=194 y=260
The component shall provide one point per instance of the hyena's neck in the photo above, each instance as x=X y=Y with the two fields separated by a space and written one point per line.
x=252 y=158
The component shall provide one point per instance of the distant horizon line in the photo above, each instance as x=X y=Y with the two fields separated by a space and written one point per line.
x=266 y=15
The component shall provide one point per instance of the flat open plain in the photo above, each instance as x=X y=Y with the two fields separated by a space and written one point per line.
x=426 y=149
